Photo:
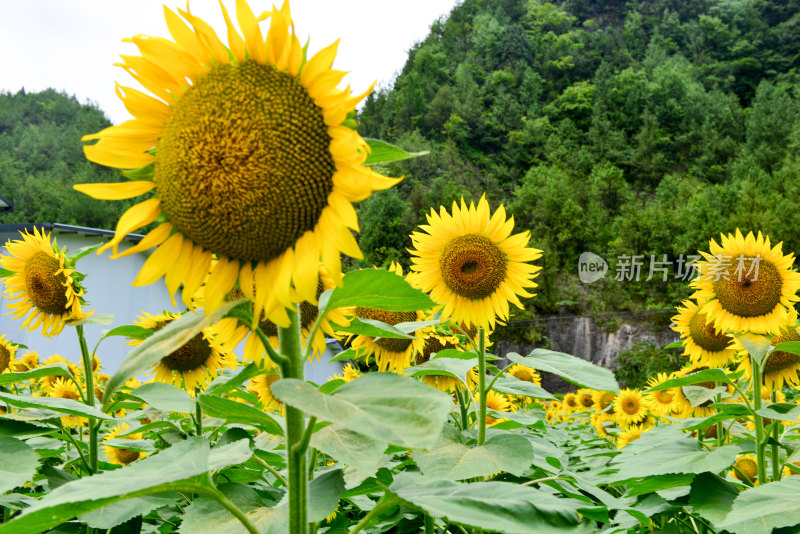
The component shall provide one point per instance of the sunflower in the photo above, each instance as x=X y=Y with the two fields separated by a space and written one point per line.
x=585 y=399
x=30 y=360
x=7 y=352
x=194 y=364
x=601 y=422
x=260 y=385
x=392 y=354
x=746 y=285
x=47 y=382
x=229 y=332
x=470 y=262
x=117 y=455
x=702 y=342
x=438 y=339
x=527 y=374
x=745 y=469
x=250 y=155
x=349 y=373
x=570 y=403
x=603 y=400
x=665 y=401
x=629 y=407
x=63 y=388
x=44 y=283
x=632 y=433
x=780 y=367
x=498 y=402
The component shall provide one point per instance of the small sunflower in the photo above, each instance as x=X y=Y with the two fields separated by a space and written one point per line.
x=193 y=365
x=527 y=374
x=44 y=283
x=663 y=402
x=629 y=407
x=746 y=285
x=780 y=367
x=64 y=388
x=702 y=342
x=260 y=385
x=470 y=262
x=746 y=469
x=604 y=400
x=571 y=402
x=117 y=455
x=349 y=373
x=46 y=382
x=30 y=360
x=499 y=402
x=7 y=352
x=601 y=422
x=250 y=154
x=437 y=340
x=585 y=399
x=632 y=433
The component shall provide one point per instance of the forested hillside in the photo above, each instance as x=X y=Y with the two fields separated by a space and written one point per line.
x=617 y=127
x=41 y=156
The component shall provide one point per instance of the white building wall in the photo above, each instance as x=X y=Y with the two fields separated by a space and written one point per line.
x=109 y=291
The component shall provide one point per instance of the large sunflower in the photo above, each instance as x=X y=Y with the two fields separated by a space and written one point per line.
x=746 y=285
x=780 y=366
x=470 y=262
x=665 y=401
x=703 y=343
x=194 y=364
x=629 y=407
x=249 y=153
x=43 y=283
x=7 y=352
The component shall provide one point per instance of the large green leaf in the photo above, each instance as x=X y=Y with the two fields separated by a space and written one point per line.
x=666 y=449
x=515 y=386
x=707 y=375
x=68 y=406
x=18 y=463
x=207 y=516
x=383 y=152
x=174 y=469
x=323 y=493
x=119 y=512
x=162 y=343
x=572 y=369
x=355 y=450
x=165 y=397
x=781 y=412
x=227 y=381
x=375 y=288
x=54 y=369
x=236 y=412
x=761 y=509
x=510 y=453
x=383 y=406
x=495 y=506
x=454 y=367
x=370 y=327
x=757 y=346
x=712 y=497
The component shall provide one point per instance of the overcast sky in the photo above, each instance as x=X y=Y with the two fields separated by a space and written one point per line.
x=72 y=45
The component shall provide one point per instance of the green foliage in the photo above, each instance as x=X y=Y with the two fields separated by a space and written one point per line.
x=644 y=360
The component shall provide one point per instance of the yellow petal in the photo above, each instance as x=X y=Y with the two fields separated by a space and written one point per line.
x=115 y=191
x=134 y=218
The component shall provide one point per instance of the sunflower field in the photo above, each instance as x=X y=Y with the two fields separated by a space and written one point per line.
x=246 y=161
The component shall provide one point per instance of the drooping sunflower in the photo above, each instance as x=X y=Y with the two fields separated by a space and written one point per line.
x=781 y=366
x=745 y=469
x=392 y=354
x=44 y=284
x=702 y=342
x=121 y=456
x=260 y=385
x=250 y=154
x=194 y=364
x=7 y=352
x=746 y=285
x=629 y=407
x=665 y=401
x=470 y=263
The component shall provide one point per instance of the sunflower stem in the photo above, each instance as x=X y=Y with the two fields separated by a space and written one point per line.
x=462 y=405
x=776 y=466
x=720 y=439
x=481 y=386
x=383 y=504
x=89 y=375
x=291 y=349
x=758 y=420
x=428 y=524
x=198 y=413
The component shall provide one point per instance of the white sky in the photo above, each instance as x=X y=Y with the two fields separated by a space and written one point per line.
x=72 y=45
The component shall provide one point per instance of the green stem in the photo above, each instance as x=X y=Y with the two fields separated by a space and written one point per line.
x=232 y=508
x=481 y=385
x=382 y=505
x=272 y=470
x=428 y=524
x=312 y=464
x=274 y=356
x=89 y=376
x=68 y=434
x=291 y=348
x=776 y=466
x=462 y=404
x=758 y=420
x=720 y=439
x=198 y=413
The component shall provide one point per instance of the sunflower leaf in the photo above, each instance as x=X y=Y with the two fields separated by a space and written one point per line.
x=761 y=509
x=515 y=386
x=119 y=512
x=509 y=453
x=355 y=450
x=54 y=369
x=226 y=382
x=383 y=152
x=164 y=397
x=757 y=346
x=372 y=328
x=18 y=463
x=495 y=506
x=129 y=330
x=781 y=412
x=453 y=367
x=5 y=273
x=788 y=346
x=236 y=412
x=375 y=288
x=571 y=368
x=711 y=497
x=67 y=406
x=383 y=406
x=83 y=251
x=170 y=338
x=103 y=319
x=707 y=375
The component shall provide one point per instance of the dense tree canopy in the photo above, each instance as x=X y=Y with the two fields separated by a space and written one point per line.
x=641 y=127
